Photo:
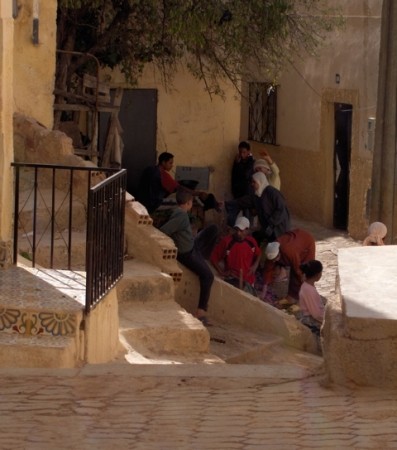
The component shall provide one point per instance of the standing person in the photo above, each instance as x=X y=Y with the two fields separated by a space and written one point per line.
x=311 y=303
x=193 y=252
x=236 y=257
x=376 y=234
x=270 y=206
x=269 y=168
x=291 y=249
x=242 y=170
x=273 y=214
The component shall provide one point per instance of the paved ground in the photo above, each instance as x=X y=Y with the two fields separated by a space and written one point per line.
x=195 y=406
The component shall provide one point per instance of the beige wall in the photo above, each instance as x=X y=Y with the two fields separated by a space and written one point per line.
x=34 y=65
x=305 y=121
x=198 y=130
x=6 y=135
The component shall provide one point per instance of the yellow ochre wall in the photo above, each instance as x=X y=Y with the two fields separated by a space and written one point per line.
x=34 y=65
x=305 y=118
x=6 y=135
x=197 y=129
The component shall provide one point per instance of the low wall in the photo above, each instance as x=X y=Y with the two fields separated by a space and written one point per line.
x=102 y=342
x=229 y=305
x=360 y=331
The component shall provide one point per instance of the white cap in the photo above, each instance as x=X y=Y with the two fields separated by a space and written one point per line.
x=272 y=250
x=242 y=222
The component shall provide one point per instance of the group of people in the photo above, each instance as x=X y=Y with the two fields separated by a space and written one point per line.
x=270 y=247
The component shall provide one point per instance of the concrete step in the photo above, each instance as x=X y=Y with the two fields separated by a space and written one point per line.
x=143 y=282
x=161 y=327
x=41 y=312
x=239 y=346
x=60 y=254
x=17 y=350
x=236 y=345
x=44 y=207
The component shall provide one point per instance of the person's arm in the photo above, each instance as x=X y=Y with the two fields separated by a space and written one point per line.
x=218 y=256
x=257 y=257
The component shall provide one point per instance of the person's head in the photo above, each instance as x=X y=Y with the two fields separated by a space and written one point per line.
x=184 y=199
x=244 y=150
x=241 y=228
x=312 y=269
x=260 y=165
x=376 y=233
x=166 y=160
x=259 y=183
x=272 y=251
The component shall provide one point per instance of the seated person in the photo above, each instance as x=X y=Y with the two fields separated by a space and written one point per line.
x=311 y=303
x=193 y=251
x=236 y=257
x=376 y=234
x=156 y=184
x=291 y=249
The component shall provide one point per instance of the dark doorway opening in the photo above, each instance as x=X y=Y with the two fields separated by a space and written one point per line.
x=138 y=119
x=342 y=153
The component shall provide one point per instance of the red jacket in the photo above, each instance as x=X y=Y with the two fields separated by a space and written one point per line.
x=237 y=255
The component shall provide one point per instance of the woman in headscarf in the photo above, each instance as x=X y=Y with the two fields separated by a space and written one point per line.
x=376 y=233
x=269 y=203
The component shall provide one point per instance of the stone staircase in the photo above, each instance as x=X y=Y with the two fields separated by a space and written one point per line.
x=41 y=314
x=44 y=326
x=152 y=324
x=76 y=228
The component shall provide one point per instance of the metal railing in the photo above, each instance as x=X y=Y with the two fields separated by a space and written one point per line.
x=55 y=204
x=105 y=237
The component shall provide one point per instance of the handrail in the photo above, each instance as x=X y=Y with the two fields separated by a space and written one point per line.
x=104 y=221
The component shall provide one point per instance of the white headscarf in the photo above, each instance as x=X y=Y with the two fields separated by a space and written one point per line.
x=261 y=179
x=261 y=163
x=376 y=233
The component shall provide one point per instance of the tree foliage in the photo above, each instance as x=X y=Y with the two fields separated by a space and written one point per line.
x=214 y=39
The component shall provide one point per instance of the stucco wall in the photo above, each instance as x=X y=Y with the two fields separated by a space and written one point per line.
x=34 y=65
x=6 y=135
x=198 y=130
x=305 y=117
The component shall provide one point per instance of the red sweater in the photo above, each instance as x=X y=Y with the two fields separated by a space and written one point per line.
x=237 y=255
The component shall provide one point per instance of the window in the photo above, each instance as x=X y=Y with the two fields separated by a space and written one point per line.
x=262 y=112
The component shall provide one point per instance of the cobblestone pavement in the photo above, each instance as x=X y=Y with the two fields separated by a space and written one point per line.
x=194 y=406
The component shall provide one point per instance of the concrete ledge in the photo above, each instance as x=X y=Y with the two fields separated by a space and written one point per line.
x=368 y=290
x=231 y=306
x=360 y=333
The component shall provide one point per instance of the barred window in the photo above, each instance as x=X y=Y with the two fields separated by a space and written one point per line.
x=262 y=112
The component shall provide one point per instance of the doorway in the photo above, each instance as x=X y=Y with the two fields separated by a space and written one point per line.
x=138 y=119
x=343 y=113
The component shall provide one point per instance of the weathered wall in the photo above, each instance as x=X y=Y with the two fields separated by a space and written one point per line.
x=305 y=117
x=6 y=136
x=34 y=65
x=198 y=130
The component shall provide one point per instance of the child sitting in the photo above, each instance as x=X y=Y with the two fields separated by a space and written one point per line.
x=311 y=303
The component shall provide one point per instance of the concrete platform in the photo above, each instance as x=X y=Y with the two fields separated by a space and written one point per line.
x=360 y=331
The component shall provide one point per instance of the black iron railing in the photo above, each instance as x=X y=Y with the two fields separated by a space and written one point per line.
x=57 y=207
x=105 y=237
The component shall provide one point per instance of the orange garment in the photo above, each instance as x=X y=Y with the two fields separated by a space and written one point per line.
x=296 y=247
